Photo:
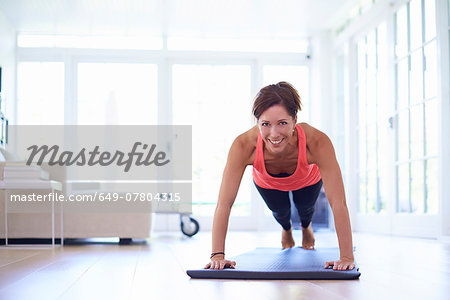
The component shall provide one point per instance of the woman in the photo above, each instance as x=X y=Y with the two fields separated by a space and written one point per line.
x=286 y=156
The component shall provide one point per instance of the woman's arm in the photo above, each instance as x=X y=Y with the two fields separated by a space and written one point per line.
x=231 y=179
x=323 y=155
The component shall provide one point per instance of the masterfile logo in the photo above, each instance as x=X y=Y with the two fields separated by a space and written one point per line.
x=94 y=157
x=111 y=152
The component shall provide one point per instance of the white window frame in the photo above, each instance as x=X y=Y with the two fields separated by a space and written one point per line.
x=379 y=222
x=437 y=226
x=165 y=59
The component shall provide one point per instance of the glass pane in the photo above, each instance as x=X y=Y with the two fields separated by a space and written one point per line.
x=403 y=135
x=40 y=93
x=432 y=186
x=416 y=79
x=402 y=84
x=217 y=95
x=382 y=192
x=372 y=191
x=382 y=63
x=108 y=94
x=381 y=43
x=361 y=60
x=384 y=150
x=403 y=188
x=371 y=51
x=362 y=102
x=267 y=211
x=363 y=192
x=430 y=72
x=371 y=82
x=362 y=119
x=417 y=189
x=417 y=126
x=430 y=19
x=371 y=99
x=401 y=45
x=362 y=148
x=431 y=127
x=415 y=21
x=372 y=146
x=298 y=76
x=340 y=110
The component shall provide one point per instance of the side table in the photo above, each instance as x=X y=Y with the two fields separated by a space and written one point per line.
x=51 y=185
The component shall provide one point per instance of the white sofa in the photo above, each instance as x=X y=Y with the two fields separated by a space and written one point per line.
x=75 y=225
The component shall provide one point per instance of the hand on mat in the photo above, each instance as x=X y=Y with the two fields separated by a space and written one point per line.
x=340 y=265
x=220 y=263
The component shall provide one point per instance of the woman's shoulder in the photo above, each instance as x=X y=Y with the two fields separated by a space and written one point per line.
x=249 y=137
x=313 y=135
x=317 y=143
x=246 y=142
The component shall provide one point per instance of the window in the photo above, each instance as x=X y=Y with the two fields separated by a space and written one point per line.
x=340 y=90
x=416 y=108
x=207 y=88
x=40 y=93
x=109 y=93
x=216 y=100
x=371 y=62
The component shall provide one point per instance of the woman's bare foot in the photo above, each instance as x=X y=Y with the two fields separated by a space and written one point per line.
x=287 y=241
x=308 y=238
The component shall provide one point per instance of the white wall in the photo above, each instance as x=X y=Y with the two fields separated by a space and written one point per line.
x=443 y=32
x=8 y=64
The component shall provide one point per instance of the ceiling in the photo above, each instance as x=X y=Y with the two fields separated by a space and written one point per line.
x=279 y=19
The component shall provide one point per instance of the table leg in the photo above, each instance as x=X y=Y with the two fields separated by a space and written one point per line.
x=6 y=217
x=62 y=224
x=53 y=221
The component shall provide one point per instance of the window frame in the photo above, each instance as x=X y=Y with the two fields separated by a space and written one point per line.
x=165 y=59
x=397 y=223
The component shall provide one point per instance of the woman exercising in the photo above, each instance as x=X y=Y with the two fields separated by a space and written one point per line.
x=286 y=156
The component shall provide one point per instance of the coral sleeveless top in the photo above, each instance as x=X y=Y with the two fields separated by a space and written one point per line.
x=305 y=174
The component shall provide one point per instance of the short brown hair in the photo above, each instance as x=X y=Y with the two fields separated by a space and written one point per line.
x=282 y=93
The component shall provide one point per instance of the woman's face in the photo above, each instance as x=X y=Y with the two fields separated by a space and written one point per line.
x=276 y=127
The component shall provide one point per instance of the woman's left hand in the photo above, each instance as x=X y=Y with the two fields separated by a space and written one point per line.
x=341 y=265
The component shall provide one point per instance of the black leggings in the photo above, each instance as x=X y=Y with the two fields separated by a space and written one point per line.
x=280 y=205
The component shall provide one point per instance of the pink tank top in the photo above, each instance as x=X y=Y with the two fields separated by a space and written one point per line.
x=305 y=174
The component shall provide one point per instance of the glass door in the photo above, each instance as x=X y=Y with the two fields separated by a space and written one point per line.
x=397 y=131
x=416 y=115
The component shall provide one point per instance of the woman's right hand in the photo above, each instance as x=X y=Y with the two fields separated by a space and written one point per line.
x=219 y=262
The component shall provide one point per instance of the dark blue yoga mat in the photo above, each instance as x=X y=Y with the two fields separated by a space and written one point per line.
x=274 y=263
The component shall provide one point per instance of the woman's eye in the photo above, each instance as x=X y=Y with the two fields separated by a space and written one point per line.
x=283 y=123
x=265 y=124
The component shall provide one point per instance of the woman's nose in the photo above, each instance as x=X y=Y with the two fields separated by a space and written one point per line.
x=274 y=131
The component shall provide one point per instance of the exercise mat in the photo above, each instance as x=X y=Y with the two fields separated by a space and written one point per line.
x=277 y=264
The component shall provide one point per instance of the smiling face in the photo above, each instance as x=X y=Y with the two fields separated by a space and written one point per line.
x=276 y=127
